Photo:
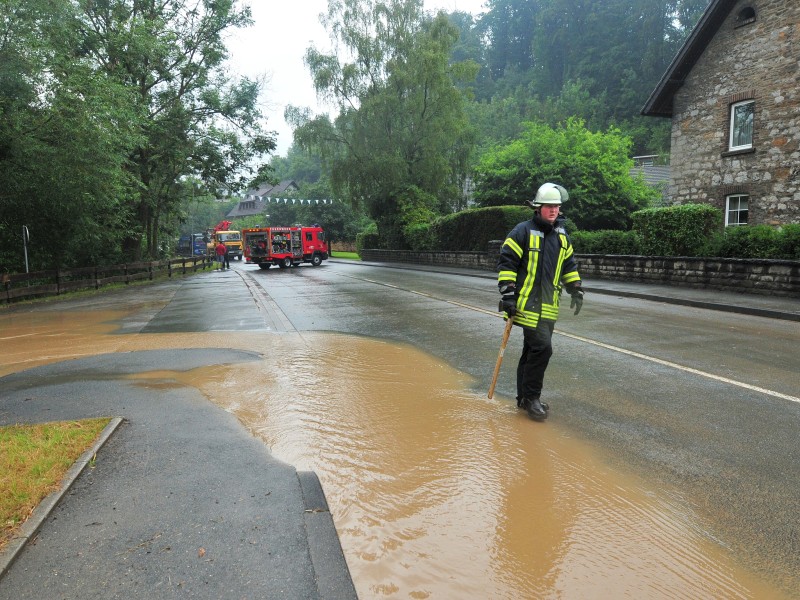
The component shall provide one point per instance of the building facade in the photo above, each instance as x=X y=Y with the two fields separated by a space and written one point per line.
x=733 y=94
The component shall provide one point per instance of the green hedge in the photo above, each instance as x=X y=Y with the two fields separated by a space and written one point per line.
x=682 y=230
x=756 y=241
x=607 y=241
x=471 y=230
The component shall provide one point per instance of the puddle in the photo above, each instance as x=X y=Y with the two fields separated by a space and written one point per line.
x=436 y=491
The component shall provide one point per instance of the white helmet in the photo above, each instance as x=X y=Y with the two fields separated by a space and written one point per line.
x=549 y=193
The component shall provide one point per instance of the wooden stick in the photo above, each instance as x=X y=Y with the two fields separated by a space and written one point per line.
x=506 y=333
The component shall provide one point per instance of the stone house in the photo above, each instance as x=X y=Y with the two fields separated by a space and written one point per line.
x=254 y=200
x=733 y=94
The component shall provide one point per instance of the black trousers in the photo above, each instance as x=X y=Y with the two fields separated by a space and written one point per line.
x=537 y=349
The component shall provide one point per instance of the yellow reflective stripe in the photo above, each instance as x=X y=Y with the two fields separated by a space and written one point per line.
x=533 y=262
x=550 y=312
x=514 y=247
x=528 y=319
x=571 y=276
x=559 y=264
x=507 y=275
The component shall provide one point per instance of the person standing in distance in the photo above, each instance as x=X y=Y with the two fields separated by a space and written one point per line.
x=222 y=256
x=536 y=262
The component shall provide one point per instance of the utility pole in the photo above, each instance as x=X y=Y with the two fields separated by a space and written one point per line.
x=26 y=236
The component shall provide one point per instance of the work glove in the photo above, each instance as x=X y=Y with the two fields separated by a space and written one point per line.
x=577 y=300
x=508 y=303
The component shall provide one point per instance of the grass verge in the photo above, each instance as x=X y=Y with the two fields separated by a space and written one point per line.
x=33 y=461
x=347 y=255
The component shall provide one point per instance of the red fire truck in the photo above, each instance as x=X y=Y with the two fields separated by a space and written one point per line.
x=284 y=246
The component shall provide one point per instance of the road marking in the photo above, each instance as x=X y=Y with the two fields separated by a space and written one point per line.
x=673 y=365
x=652 y=359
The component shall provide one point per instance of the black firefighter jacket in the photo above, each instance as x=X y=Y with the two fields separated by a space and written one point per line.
x=538 y=258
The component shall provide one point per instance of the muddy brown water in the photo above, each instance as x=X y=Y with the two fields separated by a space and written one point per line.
x=436 y=491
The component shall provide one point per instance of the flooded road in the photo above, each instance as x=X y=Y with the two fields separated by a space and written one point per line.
x=436 y=491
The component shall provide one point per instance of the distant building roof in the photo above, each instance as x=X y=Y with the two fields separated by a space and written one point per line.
x=652 y=175
x=272 y=190
x=253 y=201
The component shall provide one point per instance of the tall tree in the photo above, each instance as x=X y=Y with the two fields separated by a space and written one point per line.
x=594 y=167
x=400 y=141
x=66 y=132
x=194 y=119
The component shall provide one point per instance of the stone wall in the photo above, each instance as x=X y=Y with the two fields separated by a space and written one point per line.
x=746 y=60
x=468 y=260
x=756 y=276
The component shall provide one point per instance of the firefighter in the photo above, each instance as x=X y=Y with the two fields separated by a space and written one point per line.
x=536 y=261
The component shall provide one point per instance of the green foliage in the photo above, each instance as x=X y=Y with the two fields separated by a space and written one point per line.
x=755 y=241
x=401 y=123
x=789 y=242
x=676 y=230
x=594 y=167
x=471 y=230
x=416 y=214
x=368 y=238
x=615 y=51
x=105 y=109
x=606 y=242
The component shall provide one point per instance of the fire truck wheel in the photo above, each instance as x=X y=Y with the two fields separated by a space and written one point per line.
x=286 y=262
x=264 y=265
x=316 y=260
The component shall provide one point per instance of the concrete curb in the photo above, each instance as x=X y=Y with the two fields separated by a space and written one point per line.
x=45 y=507
x=332 y=574
x=733 y=308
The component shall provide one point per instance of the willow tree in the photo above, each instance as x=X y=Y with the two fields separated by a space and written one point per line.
x=400 y=140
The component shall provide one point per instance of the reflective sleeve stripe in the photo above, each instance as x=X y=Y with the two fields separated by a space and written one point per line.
x=507 y=276
x=533 y=263
x=571 y=277
x=513 y=246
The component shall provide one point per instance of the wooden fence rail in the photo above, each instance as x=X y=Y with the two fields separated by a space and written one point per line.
x=16 y=286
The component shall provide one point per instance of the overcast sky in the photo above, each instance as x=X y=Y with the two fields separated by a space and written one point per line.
x=274 y=47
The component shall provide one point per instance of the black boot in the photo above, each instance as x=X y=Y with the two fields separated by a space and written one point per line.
x=523 y=403
x=535 y=409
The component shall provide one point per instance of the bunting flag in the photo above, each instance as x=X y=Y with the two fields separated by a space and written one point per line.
x=301 y=201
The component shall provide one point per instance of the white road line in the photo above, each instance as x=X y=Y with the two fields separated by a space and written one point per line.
x=652 y=359
x=673 y=365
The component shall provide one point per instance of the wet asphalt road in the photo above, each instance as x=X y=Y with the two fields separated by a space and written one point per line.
x=183 y=501
x=681 y=394
x=693 y=398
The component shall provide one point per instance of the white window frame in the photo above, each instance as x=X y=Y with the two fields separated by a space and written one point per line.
x=733 y=122
x=737 y=210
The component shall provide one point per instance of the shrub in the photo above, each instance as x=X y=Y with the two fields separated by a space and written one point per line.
x=788 y=245
x=682 y=230
x=607 y=241
x=755 y=241
x=368 y=238
x=471 y=230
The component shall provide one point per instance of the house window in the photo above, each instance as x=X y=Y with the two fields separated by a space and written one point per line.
x=736 y=209
x=741 y=132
